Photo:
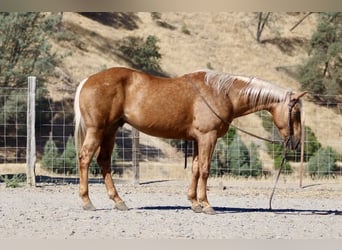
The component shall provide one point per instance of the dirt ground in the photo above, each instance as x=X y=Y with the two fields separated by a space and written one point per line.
x=160 y=210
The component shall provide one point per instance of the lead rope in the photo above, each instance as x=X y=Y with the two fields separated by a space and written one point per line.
x=288 y=140
x=277 y=179
x=186 y=153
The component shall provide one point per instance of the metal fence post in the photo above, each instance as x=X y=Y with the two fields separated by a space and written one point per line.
x=31 y=137
x=135 y=155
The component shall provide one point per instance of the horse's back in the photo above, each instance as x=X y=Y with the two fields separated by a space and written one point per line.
x=158 y=106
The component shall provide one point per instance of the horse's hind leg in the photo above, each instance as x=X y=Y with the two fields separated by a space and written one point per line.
x=89 y=147
x=104 y=160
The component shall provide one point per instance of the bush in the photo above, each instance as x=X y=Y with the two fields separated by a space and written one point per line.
x=323 y=163
x=238 y=157
x=255 y=162
x=231 y=156
x=311 y=145
x=50 y=160
x=142 y=54
x=276 y=151
x=219 y=160
x=15 y=181
x=69 y=157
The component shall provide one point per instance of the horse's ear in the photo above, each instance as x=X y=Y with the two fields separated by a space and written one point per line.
x=299 y=95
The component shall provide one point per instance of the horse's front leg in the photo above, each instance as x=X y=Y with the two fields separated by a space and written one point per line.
x=192 y=193
x=206 y=146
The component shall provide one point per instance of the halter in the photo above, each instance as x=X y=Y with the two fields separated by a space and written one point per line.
x=289 y=138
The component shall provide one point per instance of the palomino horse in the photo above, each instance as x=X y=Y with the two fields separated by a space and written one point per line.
x=198 y=106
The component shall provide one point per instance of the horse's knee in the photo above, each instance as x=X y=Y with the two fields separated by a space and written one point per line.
x=84 y=157
x=204 y=174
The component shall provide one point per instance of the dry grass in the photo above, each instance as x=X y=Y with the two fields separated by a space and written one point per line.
x=226 y=41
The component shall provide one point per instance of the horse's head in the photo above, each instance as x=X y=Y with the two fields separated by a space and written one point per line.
x=287 y=118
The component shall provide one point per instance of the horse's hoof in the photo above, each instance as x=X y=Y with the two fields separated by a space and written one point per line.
x=89 y=207
x=209 y=210
x=197 y=208
x=121 y=206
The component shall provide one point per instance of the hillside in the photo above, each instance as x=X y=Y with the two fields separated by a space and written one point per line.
x=225 y=41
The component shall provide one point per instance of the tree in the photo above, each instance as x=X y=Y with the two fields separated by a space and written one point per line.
x=24 y=51
x=322 y=72
x=24 y=48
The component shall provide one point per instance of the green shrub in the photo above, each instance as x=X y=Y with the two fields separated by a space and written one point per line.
x=255 y=162
x=50 y=159
x=311 y=145
x=286 y=168
x=141 y=53
x=231 y=156
x=238 y=157
x=220 y=156
x=69 y=157
x=15 y=181
x=276 y=151
x=323 y=163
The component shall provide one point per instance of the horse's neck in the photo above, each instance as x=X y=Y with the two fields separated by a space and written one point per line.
x=243 y=106
x=248 y=109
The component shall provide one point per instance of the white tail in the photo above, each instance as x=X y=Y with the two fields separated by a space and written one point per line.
x=80 y=128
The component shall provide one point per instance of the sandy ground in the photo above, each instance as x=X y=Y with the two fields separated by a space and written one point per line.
x=160 y=210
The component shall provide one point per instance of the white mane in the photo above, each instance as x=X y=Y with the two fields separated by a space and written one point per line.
x=257 y=90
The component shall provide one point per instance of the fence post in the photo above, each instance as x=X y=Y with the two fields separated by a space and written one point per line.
x=135 y=155
x=301 y=168
x=31 y=137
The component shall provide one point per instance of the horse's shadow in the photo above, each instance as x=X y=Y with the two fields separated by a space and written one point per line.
x=226 y=210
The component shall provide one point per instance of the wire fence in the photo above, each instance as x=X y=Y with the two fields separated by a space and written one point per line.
x=235 y=154
x=13 y=125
